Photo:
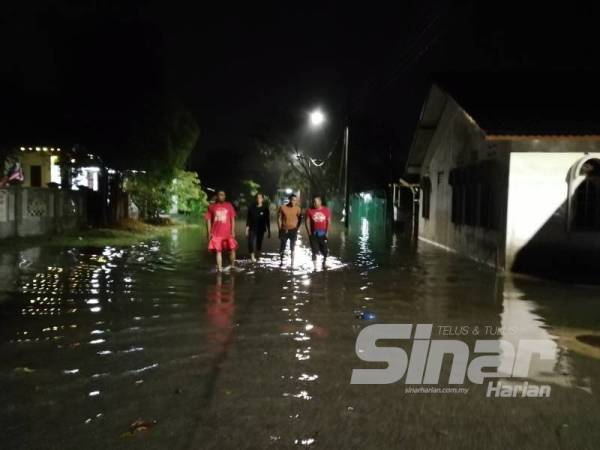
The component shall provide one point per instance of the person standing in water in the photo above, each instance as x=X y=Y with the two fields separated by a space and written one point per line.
x=288 y=220
x=317 y=226
x=257 y=222
x=220 y=223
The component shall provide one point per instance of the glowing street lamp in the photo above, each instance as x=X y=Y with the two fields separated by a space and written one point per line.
x=317 y=118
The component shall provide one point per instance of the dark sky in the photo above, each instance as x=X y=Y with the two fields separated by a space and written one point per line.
x=240 y=67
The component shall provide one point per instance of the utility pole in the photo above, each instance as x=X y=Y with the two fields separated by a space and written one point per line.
x=346 y=192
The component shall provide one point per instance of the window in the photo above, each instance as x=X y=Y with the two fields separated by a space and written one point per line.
x=587 y=197
x=426 y=198
x=473 y=195
x=487 y=206
x=471 y=202
x=35 y=176
x=458 y=193
x=458 y=181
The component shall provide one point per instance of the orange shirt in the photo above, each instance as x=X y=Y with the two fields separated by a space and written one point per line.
x=290 y=217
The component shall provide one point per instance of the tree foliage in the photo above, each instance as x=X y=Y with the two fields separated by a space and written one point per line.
x=160 y=143
x=159 y=140
x=251 y=188
x=296 y=168
x=191 y=199
x=153 y=193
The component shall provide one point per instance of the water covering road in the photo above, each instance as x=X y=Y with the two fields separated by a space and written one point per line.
x=93 y=339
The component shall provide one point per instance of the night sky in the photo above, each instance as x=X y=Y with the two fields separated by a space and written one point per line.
x=238 y=68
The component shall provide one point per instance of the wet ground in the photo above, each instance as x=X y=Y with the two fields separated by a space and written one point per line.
x=147 y=347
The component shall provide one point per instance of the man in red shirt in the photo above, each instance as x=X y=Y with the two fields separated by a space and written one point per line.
x=220 y=222
x=317 y=226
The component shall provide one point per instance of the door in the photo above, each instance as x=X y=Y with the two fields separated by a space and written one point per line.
x=35 y=175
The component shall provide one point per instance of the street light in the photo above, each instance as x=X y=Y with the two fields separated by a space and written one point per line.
x=317 y=118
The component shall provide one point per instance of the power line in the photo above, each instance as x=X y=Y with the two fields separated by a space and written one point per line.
x=415 y=50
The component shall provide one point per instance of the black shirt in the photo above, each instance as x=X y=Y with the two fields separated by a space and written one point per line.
x=258 y=219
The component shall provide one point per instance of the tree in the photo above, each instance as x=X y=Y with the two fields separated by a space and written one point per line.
x=251 y=186
x=151 y=193
x=6 y=154
x=159 y=139
x=160 y=143
x=191 y=199
x=297 y=168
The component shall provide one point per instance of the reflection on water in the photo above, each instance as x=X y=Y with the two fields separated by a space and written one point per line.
x=303 y=263
x=519 y=315
x=364 y=257
x=95 y=339
x=220 y=307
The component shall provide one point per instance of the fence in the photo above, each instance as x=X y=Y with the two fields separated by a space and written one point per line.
x=28 y=211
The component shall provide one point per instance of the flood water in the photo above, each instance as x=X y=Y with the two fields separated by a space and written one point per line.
x=94 y=339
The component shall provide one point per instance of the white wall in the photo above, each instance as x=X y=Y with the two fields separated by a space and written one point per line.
x=537 y=205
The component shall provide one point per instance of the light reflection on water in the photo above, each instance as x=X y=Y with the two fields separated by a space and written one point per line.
x=103 y=332
x=520 y=314
x=303 y=263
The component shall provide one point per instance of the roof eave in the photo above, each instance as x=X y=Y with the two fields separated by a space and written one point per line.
x=540 y=137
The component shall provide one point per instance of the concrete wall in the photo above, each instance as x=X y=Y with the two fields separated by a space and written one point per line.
x=8 y=223
x=539 y=237
x=26 y=211
x=458 y=142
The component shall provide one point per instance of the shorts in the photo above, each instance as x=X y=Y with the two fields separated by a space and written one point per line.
x=218 y=244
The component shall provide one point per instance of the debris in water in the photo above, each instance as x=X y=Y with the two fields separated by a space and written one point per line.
x=139 y=426
x=365 y=315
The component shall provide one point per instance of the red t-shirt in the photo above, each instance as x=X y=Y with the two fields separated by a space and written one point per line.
x=319 y=218
x=219 y=215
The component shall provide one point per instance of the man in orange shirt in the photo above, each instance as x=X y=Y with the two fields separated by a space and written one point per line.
x=289 y=219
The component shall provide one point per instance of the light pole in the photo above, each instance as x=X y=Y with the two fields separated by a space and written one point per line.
x=317 y=118
x=346 y=192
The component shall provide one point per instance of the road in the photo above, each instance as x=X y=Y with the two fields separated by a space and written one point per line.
x=94 y=339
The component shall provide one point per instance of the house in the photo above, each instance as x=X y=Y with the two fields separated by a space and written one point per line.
x=43 y=165
x=510 y=170
x=39 y=165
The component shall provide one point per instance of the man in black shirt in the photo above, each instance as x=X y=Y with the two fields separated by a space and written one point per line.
x=257 y=222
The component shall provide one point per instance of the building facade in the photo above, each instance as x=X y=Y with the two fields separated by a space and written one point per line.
x=39 y=165
x=524 y=201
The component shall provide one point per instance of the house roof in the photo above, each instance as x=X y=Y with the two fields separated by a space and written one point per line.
x=530 y=104
x=28 y=149
x=513 y=106
x=431 y=114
